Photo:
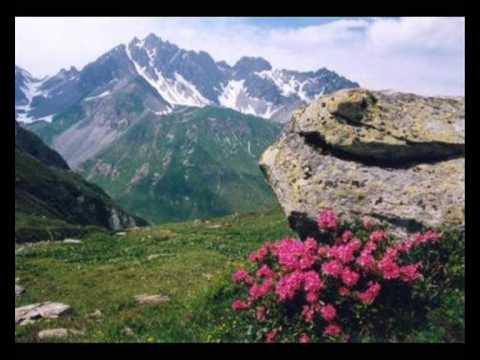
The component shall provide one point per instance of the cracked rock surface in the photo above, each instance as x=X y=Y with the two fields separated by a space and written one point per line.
x=399 y=158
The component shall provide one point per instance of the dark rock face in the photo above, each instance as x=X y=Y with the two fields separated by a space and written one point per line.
x=248 y=65
x=397 y=158
x=46 y=191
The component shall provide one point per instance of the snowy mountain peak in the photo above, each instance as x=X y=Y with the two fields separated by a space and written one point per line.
x=247 y=65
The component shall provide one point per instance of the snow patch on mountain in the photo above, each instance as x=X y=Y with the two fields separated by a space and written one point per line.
x=235 y=96
x=105 y=93
x=177 y=91
x=31 y=88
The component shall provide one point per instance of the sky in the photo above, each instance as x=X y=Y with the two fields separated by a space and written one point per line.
x=420 y=55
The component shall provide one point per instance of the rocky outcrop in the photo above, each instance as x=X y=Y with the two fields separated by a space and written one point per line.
x=395 y=157
x=47 y=310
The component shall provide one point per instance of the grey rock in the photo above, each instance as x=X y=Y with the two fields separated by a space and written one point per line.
x=96 y=314
x=128 y=331
x=53 y=333
x=147 y=299
x=72 y=241
x=47 y=310
x=19 y=290
x=397 y=158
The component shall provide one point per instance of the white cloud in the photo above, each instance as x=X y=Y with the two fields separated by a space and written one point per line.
x=422 y=55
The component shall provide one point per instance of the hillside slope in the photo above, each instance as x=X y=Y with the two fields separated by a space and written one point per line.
x=196 y=163
x=50 y=199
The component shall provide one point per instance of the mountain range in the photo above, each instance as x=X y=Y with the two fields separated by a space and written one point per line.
x=170 y=134
x=180 y=78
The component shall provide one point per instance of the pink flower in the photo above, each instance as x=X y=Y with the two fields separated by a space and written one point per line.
x=343 y=291
x=328 y=312
x=347 y=236
x=350 y=277
x=239 y=276
x=312 y=282
x=327 y=220
x=410 y=273
x=332 y=268
x=312 y=297
x=366 y=261
x=304 y=339
x=378 y=236
x=306 y=261
x=332 y=330
x=368 y=296
x=265 y=272
x=288 y=286
x=389 y=268
x=289 y=252
x=405 y=246
x=259 y=291
x=308 y=313
x=253 y=257
x=271 y=336
x=310 y=246
x=261 y=313
x=260 y=255
x=323 y=250
x=430 y=235
x=239 y=305
x=367 y=224
x=369 y=247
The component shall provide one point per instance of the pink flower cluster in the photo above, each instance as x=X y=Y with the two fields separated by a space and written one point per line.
x=299 y=273
x=369 y=295
x=327 y=220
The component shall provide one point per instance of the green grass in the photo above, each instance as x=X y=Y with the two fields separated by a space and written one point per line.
x=105 y=272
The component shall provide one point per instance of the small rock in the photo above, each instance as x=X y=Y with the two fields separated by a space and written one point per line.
x=72 y=241
x=127 y=331
x=153 y=256
x=53 y=333
x=47 y=310
x=208 y=276
x=96 y=314
x=121 y=234
x=151 y=299
x=19 y=290
x=27 y=322
x=214 y=226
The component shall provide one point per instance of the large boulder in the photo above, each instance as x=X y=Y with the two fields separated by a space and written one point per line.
x=395 y=157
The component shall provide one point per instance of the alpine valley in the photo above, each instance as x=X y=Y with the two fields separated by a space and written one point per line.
x=169 y=134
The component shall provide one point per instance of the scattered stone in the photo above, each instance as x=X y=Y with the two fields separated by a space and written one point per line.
x=27 y=322
x=72 y=241
x=53 y=333
x=153 y=256
x=208 y=276
x=397 y=158
x=121 y=234
x=19 y=290
x=214 y=226
x=146 y=299
x=96 y=314
x=128 y=331
x=47 y=310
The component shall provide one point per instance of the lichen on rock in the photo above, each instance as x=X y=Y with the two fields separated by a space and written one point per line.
x=392 y=156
